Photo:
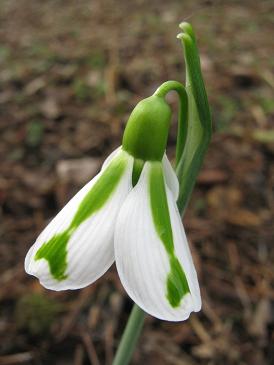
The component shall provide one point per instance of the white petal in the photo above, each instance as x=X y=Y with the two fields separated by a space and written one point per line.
x=142 y=260
x=90 y=250
x=110 y=157
x=170 y=177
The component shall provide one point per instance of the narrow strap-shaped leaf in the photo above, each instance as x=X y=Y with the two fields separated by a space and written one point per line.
x=199 y=126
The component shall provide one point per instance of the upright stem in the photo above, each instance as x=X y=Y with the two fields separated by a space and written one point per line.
x=130 y=336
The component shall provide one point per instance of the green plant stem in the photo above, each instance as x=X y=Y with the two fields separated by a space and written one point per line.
x=130 y=336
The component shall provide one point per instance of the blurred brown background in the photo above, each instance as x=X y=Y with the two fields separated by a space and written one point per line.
x=70 y=73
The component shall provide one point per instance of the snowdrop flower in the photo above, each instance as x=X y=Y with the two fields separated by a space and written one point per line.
x=128 y=214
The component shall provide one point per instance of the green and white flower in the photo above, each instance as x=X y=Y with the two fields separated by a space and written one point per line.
x=151 y=250
x=76 y=248
x=127 y=214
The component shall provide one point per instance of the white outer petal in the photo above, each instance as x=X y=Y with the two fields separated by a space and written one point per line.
x=170 y=177
x=90 y=250
x=142 y=261
x=110 y=157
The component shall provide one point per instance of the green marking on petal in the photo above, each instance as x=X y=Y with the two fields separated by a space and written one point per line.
x=177 y=285
x=137 y=169
x=101 y=190
x=55 y=250
x=159 y=206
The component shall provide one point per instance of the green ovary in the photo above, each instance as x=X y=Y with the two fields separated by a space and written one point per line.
x=177 y=285
x=55 y=250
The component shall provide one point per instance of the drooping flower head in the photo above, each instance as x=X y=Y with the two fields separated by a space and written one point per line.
x=128 y=212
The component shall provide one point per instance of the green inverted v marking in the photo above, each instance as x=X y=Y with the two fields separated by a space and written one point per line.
x=55 y=250
x=177 y=285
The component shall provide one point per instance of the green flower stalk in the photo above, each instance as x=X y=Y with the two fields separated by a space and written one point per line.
x=130 y=212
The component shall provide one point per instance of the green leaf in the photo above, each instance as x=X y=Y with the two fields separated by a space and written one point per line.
x=199 y=126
